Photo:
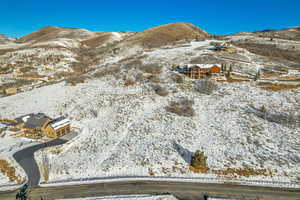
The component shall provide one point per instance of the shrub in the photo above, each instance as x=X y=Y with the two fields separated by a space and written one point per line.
x=290 y=119
x=205 y=86
x=94 y=112
x=5 y=70
x=217 y=46
x=176 y=77
x=131 y=77
x=45 y=168
x=129 y=83
x=74 y=80
x=16 y=84
x=257 y=75
x=26 y=69
x=206 y=59
x=182 y=107
x=138 y=76
x=107 y=70
x=79 y=67
x=247 y=172
x=9 y=171
x=160 y=90
x=151 y=68
x=33 y=75
x=134 y=64
x=271 y=51
x=153 y=78
x=278 y=87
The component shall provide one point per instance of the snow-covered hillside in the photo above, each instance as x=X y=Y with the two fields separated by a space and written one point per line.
x=126 y=127
x=3 y=179
x=127 y=131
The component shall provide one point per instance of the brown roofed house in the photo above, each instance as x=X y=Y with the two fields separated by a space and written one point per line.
x=199 y=71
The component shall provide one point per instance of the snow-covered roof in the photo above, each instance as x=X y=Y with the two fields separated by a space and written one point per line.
x=2 y=126
x=59 y=123
x=33 y=120
x=25 y=118
x=203 y=65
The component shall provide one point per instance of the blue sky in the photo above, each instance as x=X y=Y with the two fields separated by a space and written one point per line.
x=20 y=17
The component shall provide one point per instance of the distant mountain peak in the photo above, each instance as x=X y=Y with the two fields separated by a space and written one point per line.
x=52 y=32
x=167 y=34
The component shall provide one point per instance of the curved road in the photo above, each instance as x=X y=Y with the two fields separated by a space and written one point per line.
x=26 y=160
x=181 y=190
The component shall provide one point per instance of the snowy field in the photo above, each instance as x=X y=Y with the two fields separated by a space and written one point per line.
x=132 y=134
x=10 y=144
x=126 y=131
x=3 y=179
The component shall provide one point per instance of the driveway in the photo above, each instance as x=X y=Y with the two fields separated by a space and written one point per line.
x=26 y=160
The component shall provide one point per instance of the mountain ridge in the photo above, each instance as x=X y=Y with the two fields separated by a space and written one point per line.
x=56 y=28
x=169 y=33
x=5 y=39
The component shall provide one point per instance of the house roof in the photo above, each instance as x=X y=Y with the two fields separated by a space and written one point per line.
x=33 y=120
x=59 y=123
x=203 y=65
x=2 y=126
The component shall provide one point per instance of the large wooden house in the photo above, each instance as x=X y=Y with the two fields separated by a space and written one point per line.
x=38 y=125
x=33 y=120
x=199 y=71
x=57 y=127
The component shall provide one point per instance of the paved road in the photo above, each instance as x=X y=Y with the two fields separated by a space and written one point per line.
x=26 y=159
x=182 y=190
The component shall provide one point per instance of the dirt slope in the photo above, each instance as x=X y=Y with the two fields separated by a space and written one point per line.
x=104 y=38
x=52 y=32
x=167 y=34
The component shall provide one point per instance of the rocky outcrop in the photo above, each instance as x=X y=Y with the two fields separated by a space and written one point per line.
x=199 y=162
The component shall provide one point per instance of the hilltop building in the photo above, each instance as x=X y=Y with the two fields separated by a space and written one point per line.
x=199 y=71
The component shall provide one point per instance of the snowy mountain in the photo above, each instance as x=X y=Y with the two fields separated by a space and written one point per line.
x=51 y=32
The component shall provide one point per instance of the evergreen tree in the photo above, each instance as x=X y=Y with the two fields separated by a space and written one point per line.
x=230 y=68
x=257 y=75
